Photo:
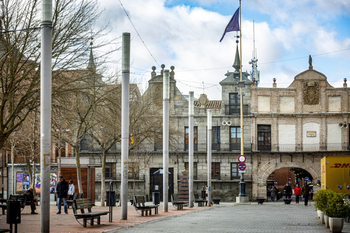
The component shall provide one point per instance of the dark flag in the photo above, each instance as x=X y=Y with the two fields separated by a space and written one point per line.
x=233 y=25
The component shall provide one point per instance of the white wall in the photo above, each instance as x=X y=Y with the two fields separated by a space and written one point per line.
x=264 y=103
x=333 y=137
x=287 y=104
x=286 y=137
x=334 y=104
x=311 y=143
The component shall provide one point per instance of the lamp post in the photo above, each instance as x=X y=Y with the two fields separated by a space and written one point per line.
x=190 y=147
x=45 y=116
x=165 y=138
x=125 y=123
x=209 y=128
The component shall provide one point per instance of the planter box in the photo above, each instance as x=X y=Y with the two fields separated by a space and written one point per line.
x=326 y=220
x=287 y=200
x=319 y=213
x=336 y=224
x=260 y=200
x=322 y=217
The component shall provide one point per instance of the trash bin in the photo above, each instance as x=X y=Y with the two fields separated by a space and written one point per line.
x=156 y=198
x=13 y=212
x=110 y=198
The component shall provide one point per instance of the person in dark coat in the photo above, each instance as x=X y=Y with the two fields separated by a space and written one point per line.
x=287 y=191
x=306 y=192
x=30 y=200
x=62 y=190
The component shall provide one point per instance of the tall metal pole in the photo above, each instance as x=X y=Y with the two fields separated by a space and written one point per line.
x=125 y=123
x=209 y=128
x=45 y=116
x=241 y=183
x=190 y=147
x=165 y=138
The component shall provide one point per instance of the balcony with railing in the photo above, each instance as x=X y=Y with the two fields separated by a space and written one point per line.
x=312 y=147
x=235 y=109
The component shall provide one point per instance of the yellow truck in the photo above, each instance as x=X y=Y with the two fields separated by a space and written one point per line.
x=335 y=173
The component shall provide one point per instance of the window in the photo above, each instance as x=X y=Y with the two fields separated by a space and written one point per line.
x=215 y=138
x=194 y=169
x=195 y=141
x=133 y=172
x=86 y=144
x=234 y=104
x=110 y=172
x=215 y=171
x=234 y=171
x=235 y=138
x=264 y=137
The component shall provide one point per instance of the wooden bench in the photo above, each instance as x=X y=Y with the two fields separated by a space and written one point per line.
x=179 y=205
x=86 y=204
x=200 y=202
x=139 y=203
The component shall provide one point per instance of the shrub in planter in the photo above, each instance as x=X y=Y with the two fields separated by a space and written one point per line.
x=320 y=199
x=336 y=211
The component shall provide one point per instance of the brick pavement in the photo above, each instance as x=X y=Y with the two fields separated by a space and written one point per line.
x=66 y=223
x=269 y=217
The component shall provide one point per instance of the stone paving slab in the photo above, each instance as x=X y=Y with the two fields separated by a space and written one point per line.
x=269 y=218
x=63 y=223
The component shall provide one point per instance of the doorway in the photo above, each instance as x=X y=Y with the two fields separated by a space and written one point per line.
x=156 y=182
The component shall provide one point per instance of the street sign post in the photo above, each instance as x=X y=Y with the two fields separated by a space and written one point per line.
x=289 y=178
x=242 y=166
x=306 y=179
x=242 y=158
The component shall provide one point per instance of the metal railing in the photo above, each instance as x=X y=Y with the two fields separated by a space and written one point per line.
x=235 y=109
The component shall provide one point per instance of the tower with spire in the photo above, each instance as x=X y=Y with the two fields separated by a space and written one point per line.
x=255 y=74
x=230 y=84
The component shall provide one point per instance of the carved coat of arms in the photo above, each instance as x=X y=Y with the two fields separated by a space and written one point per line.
x=311 y=93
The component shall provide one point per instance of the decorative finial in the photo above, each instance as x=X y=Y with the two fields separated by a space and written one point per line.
x=345 y=80
x=345 y=84
x=274 y=83
x=162 y=70
x=153 y=73
x=172 y=73
x=236 y=64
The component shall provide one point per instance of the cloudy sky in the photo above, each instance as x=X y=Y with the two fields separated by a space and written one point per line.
x=186 y=34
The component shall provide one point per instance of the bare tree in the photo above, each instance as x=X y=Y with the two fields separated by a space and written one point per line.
x=20 y=53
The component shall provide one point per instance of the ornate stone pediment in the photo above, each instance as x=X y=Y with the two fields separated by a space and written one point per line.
x=311 y=93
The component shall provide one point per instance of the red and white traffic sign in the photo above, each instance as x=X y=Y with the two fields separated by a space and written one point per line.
x=289 y=178
x=242 y=158
x=242 y=166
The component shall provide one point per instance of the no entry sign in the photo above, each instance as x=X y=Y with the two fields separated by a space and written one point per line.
x=242 y=166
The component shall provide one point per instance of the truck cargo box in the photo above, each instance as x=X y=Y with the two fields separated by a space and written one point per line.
x=335 y=174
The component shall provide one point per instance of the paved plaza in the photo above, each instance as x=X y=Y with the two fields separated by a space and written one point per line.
x=269 y=217
x=226 y=217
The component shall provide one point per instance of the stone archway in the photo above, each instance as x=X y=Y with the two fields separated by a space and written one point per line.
x=265 y=165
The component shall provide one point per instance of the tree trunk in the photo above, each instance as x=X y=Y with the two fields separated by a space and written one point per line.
x=29 y=169
x=103 y=177
x=59 y=160
x=77 y=160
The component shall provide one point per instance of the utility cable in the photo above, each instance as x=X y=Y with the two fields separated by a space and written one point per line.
x=121 y=4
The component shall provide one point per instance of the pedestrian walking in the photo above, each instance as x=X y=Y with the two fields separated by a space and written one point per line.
x=306 y=192
x=274 y=192
x=71 y=190
x=297 y=192
x=287 y=191
x=62 y=190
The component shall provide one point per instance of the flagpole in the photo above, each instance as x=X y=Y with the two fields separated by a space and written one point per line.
x=241 y=183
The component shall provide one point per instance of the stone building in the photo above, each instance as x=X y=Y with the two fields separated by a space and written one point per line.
x=297 y=126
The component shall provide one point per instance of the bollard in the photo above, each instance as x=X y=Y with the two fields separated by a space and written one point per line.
x=110 y=202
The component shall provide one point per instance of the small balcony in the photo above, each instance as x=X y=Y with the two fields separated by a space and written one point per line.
x=235 y=109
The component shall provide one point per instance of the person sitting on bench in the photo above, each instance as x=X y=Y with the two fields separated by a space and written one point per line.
x=31 y=200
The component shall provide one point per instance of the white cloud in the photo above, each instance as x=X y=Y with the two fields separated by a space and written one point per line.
x=188 y=38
